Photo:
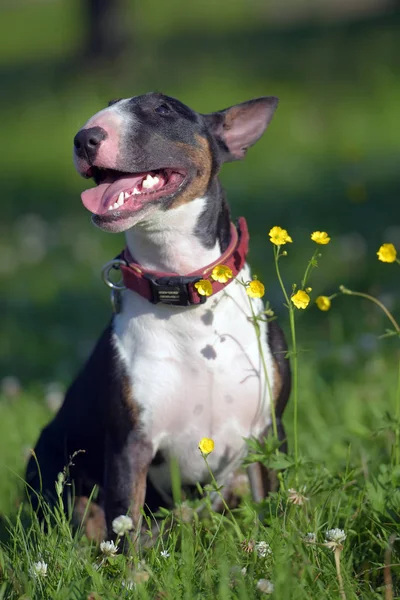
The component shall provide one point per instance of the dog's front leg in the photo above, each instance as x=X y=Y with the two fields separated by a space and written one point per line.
x=127 y=464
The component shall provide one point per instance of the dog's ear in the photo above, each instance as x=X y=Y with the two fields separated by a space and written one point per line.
x=240 y=126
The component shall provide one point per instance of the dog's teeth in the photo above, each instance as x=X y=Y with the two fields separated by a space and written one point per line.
x=110 y=207
x=116 y=205
x=135 y=191
x=148 y=182
x=120 y=199
x=126 y=195
x=155 y=180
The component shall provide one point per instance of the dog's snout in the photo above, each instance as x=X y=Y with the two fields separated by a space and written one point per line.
x=87 y=141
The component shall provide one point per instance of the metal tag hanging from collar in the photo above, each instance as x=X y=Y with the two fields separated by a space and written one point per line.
x=116 y=301
x=117 y=287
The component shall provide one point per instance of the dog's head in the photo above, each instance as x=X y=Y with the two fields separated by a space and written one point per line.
x=152 y=153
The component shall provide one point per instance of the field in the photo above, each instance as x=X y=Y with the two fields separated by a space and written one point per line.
x=329 y=161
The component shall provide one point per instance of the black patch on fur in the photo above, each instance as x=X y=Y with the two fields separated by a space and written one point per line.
x=97 y=416
x=279 y=348
x=158 y=460
x=214 y=223
x=96 y=409
x=153 y=100
x=79 y=425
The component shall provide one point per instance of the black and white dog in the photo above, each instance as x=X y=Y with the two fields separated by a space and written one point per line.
x=170 y=369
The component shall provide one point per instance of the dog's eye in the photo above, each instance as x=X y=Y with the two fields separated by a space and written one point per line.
x=163 y=109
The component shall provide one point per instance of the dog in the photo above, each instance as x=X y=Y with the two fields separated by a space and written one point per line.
x=181 y=359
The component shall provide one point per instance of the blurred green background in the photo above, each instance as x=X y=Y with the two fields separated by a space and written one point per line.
x=329 y=161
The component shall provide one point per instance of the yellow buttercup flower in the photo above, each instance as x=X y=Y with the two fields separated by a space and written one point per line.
x=323 y=303
x=204 y=287
x=221 y=273
x=279 y=236
x=301 y=299
x=206 y=445
x=387 y=253
x=320 y=237
x=255 y=289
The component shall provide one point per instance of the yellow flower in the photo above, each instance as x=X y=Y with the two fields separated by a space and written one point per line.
x=387 y=253
x=255 y=289
x=221 y=273
x=204 y=287
x=279 y=236
x=206 y=445
x=320 y=237
x=301 y=299
x=323 y=303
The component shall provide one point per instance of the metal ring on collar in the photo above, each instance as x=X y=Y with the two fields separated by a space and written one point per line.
x=105 y=274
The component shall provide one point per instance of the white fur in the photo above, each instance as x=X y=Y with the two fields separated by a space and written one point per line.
x=166 y=241
x=195 y=371
x=113 y=116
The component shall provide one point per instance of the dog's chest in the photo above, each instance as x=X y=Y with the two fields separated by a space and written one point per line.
x=197 y=372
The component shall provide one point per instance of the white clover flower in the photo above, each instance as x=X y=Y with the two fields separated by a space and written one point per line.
x=263 y=549
x=122 y=525
x=334 y=539
x=265 y=586
x=108 y=548
x=310 y=538
x=39 y=569
x=335 y=535
x=165 y=554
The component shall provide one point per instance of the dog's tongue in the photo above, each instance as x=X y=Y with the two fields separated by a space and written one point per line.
x=99 y=199
x=92 y=198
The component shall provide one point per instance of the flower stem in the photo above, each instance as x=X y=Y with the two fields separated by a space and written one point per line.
x=267 y=382
x=311 y=265
x=228 y=510
x=294 y=355
x=276 y=257
x=375 y=301
x=295 y=385
x=339 y=574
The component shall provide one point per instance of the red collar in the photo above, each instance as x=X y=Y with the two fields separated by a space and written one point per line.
x=170 y=288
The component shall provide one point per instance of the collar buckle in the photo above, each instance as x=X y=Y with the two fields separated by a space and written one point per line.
x=172 y=290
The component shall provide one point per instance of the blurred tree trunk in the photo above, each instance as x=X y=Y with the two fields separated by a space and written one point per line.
x=106 y=32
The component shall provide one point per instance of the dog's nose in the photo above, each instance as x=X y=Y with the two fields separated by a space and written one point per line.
x=87 y=141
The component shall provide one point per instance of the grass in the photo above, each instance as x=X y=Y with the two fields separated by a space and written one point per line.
x=346 y=471
x=345 y=476
x=329 y=161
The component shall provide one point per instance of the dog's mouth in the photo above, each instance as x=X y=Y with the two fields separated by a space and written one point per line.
x=117 y=192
